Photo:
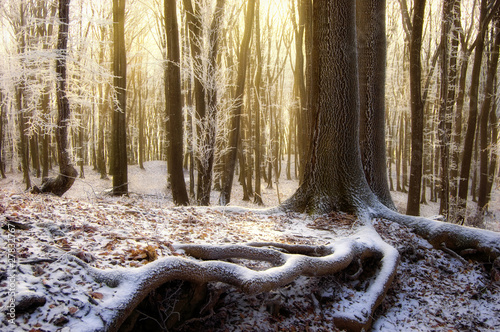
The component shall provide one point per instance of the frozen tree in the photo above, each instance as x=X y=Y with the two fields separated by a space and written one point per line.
x=67 y=173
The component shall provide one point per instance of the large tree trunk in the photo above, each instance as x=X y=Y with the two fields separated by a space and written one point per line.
x=67 y=173
x=174 y=106
x=417 y=110
x=371 y=38
x=228 y=176
x=334 y=177
x=119 y=131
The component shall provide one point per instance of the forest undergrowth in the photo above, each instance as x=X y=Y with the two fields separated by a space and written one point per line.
x=433 y=290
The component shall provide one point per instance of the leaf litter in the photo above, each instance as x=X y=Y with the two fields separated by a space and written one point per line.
x=433 y=291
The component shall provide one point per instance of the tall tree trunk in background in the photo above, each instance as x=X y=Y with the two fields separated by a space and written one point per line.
x=489 y=94
x=35 y=156
x=371 y=39
x=334 y=179
x=24 y=139
x=417 y=110
x=463 y=187
x=67 y=173
x=303 y=125
x=494 y=142
x=257 y=195
x=228 y=175
x=20 y=101
x=448 y=78
x=142 y=137
x=45 y=134
x=174 y=105
x=205 y=94
x=195 y=32
x=81 y=146
x=212 y=103
x=119 y=131
x=454 y=91
x=102 y=110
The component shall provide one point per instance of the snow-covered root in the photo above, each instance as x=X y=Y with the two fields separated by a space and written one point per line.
x=128 y=287
x=479 y=244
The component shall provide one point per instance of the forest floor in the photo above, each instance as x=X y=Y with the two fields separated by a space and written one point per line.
x=432 y=291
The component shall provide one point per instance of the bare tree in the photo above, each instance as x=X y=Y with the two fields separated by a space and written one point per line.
x=205 y=91
x=417 y=110
x=228 y=176
x=67 y=173
x=486 y=109
x=469 y=140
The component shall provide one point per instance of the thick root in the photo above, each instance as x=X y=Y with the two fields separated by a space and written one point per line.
x=478 y=244
x=288 y=262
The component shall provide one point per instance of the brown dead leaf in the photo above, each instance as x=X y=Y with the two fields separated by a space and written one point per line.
x=138 y=254
x=96 y=295
x=63 y=244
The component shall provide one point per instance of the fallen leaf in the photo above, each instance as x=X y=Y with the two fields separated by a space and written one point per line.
x=97 y=295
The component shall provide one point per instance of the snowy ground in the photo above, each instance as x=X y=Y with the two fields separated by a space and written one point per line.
x=432 y=290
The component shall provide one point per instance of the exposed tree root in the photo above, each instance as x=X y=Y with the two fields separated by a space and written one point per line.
x=478 y=244
x=288 y=262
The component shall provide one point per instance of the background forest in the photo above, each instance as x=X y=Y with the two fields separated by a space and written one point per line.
x=244 y=71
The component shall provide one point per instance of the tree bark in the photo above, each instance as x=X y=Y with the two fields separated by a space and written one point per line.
x=489 y=94
x=45 y=135
x=463 y=187
x=257 y=195
x=417 y=110
x=228 y=176
x=35 y=156
x=174 y=105
x=119 y=129
x=334 y=179
x=371 y=38
x=452 y=94
x=304 y=124
x=494 y=142
x=444 y=130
